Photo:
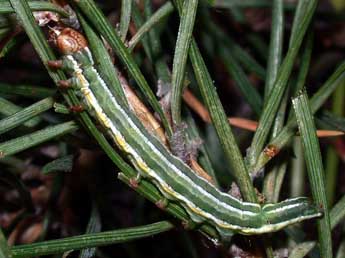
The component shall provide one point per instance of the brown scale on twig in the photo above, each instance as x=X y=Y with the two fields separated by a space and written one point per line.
x=271 y=150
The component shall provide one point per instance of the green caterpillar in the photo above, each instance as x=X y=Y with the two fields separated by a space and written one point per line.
x=175 y=180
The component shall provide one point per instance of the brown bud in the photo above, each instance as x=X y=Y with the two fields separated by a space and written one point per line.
x=271 y=150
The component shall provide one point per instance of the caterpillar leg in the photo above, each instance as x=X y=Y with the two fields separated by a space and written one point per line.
x=71 y=83
x=77 y=108
x=129 y=181
x=81 y=92
x=162 y=203
x=55 y=64
x=67 y=63
x=64 y=84
x=135 y=181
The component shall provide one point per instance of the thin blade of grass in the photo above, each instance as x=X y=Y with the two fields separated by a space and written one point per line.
x=335 y=80
x=27 y=91
x=305 y=63
x=331 y=121
x=337 y=213
x=145 y=41
x=8 y=108
x=160 y=65
x=126 y=11
x=184 y=37
x=315 y=169
x=299 y=13
x=155 y=19
x=5 y=7
x=61 y=108
x=9 y=45
x=274 y=179
x=258 y=43
x=63 y=164
x=288 y=131
x=232 y=54
x=229 y=4
x=97 y=18
x=276 y=45
x=16 y=145
x=273 y=102
x=4 y=248
x=241 y=55
x=301 y=250
x=237 y=14
x=332 y=158
x=247 y=61
x=331 y=172
x=94 y=226
x=250 y=93
x=25 y=114
x=89 y=240
x=297 y=185
x=152 y=34
x=341 y=250
x=240 y=3
x=4 y=32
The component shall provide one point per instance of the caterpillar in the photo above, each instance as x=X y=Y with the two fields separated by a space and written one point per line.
x=152 y=160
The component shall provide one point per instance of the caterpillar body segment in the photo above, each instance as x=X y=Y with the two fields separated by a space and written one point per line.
x=175 y=180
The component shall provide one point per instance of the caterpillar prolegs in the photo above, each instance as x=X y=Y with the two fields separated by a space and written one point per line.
x=152 y=160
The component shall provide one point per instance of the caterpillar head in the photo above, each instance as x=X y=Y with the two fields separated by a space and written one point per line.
x=70 y=41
